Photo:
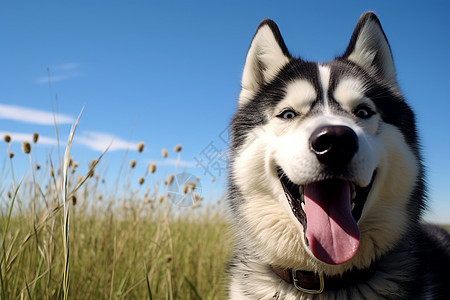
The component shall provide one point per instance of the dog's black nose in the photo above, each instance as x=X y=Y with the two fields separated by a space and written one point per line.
x=334 y=145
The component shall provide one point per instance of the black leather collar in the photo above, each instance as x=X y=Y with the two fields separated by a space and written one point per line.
x=315 y=283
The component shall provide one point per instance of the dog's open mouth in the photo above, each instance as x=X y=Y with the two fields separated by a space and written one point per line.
x=329 y=211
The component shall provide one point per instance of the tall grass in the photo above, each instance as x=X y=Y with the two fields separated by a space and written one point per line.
x=64 y=236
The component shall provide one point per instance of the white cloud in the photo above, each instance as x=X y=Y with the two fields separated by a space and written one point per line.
x=66 y=66
x=63 y=72
x=33 y=116
x=58 y=77
x=175 y=162
x=100 y=141
x=28 y=137
x=97 y=141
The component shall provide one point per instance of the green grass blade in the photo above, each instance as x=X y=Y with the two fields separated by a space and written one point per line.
x=193 y=289
x=3 y=292
x=169 y=284
x=28 y=289
x=10 y=212
x=149 y=290
x=3 y=258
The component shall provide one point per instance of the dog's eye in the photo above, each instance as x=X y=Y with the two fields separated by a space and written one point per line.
x=363 y=112
x=287 y=114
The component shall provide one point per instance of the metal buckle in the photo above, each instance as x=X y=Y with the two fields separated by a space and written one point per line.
x=314 y=292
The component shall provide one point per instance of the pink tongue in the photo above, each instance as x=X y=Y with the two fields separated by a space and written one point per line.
x=331 y=231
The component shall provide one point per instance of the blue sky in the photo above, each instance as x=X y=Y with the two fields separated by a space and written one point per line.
x=168 y=73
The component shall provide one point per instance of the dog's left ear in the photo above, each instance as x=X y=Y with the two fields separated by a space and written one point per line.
x=370 y=49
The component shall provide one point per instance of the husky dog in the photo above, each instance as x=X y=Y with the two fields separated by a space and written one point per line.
x=326 y=184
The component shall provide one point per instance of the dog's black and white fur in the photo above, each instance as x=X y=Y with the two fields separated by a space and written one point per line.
x=326 y=176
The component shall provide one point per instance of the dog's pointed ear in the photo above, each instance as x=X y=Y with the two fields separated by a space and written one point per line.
x=265 y=58
x=370 y=49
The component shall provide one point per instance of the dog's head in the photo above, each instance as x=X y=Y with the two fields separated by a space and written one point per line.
x=324 y=158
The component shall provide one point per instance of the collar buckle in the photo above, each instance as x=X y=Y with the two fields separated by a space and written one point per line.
x=298 y=286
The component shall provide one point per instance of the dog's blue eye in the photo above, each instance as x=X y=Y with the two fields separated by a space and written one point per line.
x=363 y=112
x=287 y=114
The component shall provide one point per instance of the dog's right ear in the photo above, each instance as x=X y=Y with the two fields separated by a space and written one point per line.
x=265 y=58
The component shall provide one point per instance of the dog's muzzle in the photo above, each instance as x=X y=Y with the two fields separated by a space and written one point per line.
x=329 y=208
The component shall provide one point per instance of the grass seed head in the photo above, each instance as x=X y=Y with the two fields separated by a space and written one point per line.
x=177 y=148
x=152 y=168
x=164 y=153
x=168 y=258
x=141 y=180
x=35 y=137
x=133 y=164
x=26 y=147
x=140 y=147
x=93 y=163
x=91 y=167
x=170 y=179
x=38 y=166
x=73 y=167
x=192 y=185
x=7 y=138
x=11 y=155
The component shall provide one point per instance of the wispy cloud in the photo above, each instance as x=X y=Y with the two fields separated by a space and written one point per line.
x=67 y=66
x=97 y=141
x=18 y=137
x=175 y=162
x=31 y=115
x=61 y=72
x=58 y=77
x=100 y=141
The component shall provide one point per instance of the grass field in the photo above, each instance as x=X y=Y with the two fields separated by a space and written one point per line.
x=64 y=237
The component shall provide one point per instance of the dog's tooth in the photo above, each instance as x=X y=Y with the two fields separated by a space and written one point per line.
x=353 y=205
x=301 y=190
x=303 y=206
x=353 y=195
